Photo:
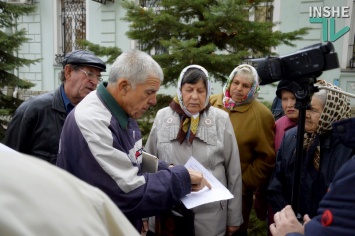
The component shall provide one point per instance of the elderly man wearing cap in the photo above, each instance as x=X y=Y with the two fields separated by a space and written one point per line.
x=36 y=125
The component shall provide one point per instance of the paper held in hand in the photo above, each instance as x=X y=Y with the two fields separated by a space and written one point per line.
x=217 y=193
x=149 y=163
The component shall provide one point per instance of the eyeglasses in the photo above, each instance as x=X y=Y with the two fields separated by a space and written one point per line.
x=92 y=76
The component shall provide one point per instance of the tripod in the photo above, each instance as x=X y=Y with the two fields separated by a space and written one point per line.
x=303 y=90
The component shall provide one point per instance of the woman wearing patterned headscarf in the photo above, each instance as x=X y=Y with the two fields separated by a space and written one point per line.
x=253 y=125
x=191 y=127
x=324 y=153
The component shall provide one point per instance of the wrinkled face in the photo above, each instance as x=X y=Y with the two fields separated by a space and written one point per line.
x=194 y=96
x=313 y=115
x=78 y=83
x=288 y=104
x=239 y=88
x=138 y=100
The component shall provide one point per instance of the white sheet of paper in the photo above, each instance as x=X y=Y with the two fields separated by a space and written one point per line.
x=217 y=193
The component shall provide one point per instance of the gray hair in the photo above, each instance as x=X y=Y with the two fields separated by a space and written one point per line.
x=62 y=73
x=322 y=96
x=246 y=73
x=136 y=66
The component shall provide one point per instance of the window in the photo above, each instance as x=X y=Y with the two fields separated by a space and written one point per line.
x=73 y=26
x=262 y=12
x=149 y=3
x=158 y=49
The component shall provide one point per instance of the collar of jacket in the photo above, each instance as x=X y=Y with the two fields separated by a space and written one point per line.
x=206 y=130
x=112 y=105
x=58 y=103
x=67 y=103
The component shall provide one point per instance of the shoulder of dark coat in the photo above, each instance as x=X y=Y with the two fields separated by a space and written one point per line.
x=36 y=103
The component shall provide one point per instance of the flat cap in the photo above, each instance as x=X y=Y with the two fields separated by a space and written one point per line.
x=84 y=58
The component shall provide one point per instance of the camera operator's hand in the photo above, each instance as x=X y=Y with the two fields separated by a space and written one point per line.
x=306 y=219
x=286 y=222
x=198 y=182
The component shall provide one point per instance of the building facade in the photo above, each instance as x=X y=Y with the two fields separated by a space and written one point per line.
x=56 y=25
x=295 y=14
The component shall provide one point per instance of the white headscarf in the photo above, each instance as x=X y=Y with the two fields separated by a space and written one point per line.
x=227 y=99
x=178 y=91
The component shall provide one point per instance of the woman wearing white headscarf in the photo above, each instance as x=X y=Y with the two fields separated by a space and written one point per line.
x=253 y=125
x=191 y=127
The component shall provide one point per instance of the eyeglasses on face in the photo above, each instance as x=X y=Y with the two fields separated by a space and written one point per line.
x=92 y=76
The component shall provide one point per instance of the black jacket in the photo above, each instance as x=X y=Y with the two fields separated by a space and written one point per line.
x=36 y=126
x=313 y=184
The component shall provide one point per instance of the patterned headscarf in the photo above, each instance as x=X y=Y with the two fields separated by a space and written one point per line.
x=227 y=100
x=337 y=107
x=189 y=122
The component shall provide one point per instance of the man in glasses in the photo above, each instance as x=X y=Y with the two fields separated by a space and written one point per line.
x=36 y=125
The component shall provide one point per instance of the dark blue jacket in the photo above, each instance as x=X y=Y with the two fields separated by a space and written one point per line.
x=336 y=212
x=313 y=184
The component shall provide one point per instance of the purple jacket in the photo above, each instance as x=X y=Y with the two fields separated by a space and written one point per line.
x=101 y=145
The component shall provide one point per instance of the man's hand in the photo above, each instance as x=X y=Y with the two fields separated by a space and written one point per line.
x=286 y=222
x=198 y=182
x=231 y=229
x=306 y=219
x=145 y=226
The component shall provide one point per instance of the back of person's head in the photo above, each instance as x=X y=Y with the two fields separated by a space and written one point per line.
x=135 y=66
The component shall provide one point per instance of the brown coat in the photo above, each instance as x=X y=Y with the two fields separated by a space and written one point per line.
x=254 y=128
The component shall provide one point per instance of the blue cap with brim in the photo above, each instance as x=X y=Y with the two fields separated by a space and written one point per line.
x=84 y=58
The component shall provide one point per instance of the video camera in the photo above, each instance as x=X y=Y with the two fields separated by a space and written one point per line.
x=310 y=61
x=301 y=69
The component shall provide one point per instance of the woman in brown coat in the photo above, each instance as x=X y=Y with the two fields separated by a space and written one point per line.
x=253 y=126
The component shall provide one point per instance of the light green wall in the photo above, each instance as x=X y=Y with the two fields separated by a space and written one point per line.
x=105 y=27
x=294 y=14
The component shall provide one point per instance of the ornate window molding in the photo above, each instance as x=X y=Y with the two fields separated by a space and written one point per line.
x=72 y=27
x=103 y=1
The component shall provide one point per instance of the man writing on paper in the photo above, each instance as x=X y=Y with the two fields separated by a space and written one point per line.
x=102 y=144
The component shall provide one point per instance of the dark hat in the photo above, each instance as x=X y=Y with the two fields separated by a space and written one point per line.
x=84 y=58
x=283 y=85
